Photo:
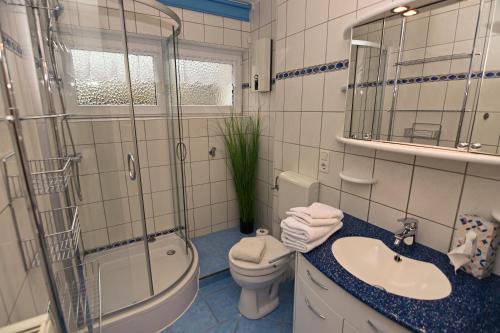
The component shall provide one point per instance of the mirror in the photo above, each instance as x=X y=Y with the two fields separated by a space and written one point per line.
x=430 y=79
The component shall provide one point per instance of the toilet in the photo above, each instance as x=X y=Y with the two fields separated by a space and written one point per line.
x=260 y=282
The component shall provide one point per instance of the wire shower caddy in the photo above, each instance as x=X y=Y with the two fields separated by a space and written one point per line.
x=62 y=245
x=80 y=293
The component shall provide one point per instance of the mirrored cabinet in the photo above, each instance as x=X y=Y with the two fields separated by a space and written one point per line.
x=427 y=77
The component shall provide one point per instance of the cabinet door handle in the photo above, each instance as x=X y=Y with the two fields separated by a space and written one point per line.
x=316 y=282
x=313 y=310
x=375 y=328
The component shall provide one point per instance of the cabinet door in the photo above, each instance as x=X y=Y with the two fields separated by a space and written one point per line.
x=348 y=328
x=312 y=314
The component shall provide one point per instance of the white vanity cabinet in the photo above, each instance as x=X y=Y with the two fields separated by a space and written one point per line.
x=321 y=306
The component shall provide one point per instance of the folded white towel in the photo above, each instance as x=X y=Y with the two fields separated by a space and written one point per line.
x=312 y=222
x=249 y=249
x=304 y=232
x=319 y=210
x=294 y=244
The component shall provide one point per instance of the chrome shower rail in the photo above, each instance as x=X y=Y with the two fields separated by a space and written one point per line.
x=62 y=245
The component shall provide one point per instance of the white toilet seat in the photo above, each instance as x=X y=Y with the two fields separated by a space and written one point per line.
x=260 y=282
x=274 y=249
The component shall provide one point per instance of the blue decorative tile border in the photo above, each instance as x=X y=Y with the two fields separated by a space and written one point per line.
x=432 y=78
x=323 y=68
x=130 y=241
x=11 y=44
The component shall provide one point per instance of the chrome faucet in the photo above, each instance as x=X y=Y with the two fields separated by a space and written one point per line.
x=409 y=230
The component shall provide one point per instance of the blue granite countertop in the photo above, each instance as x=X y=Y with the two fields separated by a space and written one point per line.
x=472 y=307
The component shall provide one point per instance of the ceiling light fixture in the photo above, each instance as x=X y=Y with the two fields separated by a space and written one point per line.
x=410 y=12
x=400 y=9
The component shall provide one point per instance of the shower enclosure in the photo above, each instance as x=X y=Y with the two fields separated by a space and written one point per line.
x=97 y=154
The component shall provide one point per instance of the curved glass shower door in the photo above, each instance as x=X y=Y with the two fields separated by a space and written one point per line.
x=153 y=78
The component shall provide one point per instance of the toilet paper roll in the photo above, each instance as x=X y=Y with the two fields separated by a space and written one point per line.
x=262 y=232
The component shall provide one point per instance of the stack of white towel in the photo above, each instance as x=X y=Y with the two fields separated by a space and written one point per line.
x=308 y=227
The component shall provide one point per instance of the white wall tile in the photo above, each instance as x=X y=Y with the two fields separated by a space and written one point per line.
x=393 y=184
x=480 y=196
x=316 y=12
x=232 y=37
x=354 y=205
x=193 y=31
x=312 y=92
x=337 y=47
x=332 y=178
x=295 y=51
x=315 y=45
x=214 y=35
x=291 y=127
x=192 y=16
x=232 y=24
x=201 y=195
x=435 y=195
x=217 y=170
x=310 y=129
x=290 y=157
x=117 y=211
x=200 y=172
x=308 y=161
x=340 y=8
x=293 y=94
x=202 y=217
x=281 y=21
x=296 y=17
x=358 y=167
x=213 y=20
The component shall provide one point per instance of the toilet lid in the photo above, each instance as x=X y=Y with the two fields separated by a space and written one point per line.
x=274 y=249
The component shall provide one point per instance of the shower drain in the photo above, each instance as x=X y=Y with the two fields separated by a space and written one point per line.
x=170 y=252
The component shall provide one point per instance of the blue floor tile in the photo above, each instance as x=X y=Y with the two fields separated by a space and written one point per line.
x=216 y=286
x=287 y=328
x=225 y=327
x=213 y=250
x=216 y=311
x=224 y=303
x=258 y=326
x=197 y=319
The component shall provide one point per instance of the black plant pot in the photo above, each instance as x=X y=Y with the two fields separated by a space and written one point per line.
x=246 y=227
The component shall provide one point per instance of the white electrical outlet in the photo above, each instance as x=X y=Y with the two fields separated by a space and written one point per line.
x=324 y=161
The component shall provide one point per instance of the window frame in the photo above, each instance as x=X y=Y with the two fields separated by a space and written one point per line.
x=147 y=47
x=151 y=46
x=219 y=55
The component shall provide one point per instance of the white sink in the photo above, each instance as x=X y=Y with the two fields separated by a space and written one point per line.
x=371 y=261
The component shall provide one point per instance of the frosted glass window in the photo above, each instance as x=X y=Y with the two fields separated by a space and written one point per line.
x=205 y=83
x=100 y=78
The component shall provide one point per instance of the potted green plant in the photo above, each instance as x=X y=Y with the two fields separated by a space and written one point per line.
x=241 y=137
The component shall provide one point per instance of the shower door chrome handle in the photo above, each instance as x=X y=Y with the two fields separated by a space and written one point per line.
x=181 y=151
x=131 y=166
